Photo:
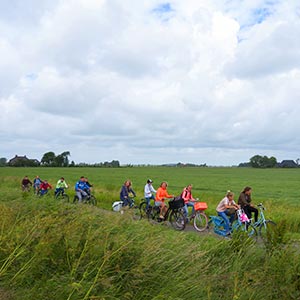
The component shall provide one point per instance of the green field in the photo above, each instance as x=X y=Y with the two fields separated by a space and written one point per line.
x=52 y=250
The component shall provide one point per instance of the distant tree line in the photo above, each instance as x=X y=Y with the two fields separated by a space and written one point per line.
x=50 y=159
x=259 y=161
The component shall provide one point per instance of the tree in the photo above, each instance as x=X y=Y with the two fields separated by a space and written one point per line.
x=258 y=161
x=3 y=162
x=62 y=160
x=48 y=159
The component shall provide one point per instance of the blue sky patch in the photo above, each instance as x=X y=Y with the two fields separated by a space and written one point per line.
x=163 y=11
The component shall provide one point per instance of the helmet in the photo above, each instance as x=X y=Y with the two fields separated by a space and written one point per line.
x=149 y=181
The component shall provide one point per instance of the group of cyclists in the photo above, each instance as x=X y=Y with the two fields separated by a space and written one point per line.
x=225 y=209
x=41 y=187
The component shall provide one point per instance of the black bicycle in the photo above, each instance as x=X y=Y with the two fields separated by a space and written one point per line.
x=61 y=195
x=174 y=214
x=88 y=199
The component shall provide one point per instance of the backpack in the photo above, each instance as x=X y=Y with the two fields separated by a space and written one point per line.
x=117 y=205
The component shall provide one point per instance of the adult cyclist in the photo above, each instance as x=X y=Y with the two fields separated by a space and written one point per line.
x=81 y=189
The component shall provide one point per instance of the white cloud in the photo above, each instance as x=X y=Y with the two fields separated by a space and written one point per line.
x=153 y=82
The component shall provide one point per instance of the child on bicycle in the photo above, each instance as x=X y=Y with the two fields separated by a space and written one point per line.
x=188 y=199
x=224 y=210
x=148 y=192
x=161 y=195
x=44 y=187
x=60 y=186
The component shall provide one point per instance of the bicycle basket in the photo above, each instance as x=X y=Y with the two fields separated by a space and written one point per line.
x=175 y=204
x=242 y=216
x=117 y=205
x=200 y=206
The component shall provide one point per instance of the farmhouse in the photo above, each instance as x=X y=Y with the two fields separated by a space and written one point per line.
x=287 y=164
x=19 y=161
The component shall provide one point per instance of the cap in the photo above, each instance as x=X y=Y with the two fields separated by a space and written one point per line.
x=149 y=181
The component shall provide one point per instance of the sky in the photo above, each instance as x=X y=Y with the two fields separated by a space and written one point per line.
x=149 y=81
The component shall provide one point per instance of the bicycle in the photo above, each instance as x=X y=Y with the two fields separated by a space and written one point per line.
x=263 y=225
x=239 y=225
x=144 y=211
x=61 y=195
x=174 y=214
x=88 y=199
x=199 y=217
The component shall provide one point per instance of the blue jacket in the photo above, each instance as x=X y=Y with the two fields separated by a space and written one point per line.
x=81 y=185
x=125 y=192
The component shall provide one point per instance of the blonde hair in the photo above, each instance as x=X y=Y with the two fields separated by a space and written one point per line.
x=229 y=193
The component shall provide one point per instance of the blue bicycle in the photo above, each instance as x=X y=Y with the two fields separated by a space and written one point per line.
x=239 y=225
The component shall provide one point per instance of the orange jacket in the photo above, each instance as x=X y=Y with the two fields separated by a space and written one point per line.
x=161 y=194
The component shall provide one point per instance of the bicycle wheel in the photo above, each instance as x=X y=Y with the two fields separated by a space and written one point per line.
x=143 y=210
x=153 y=214
x=245 y=228
x=200 y=221
x=177 y=220
x=92 y=200
x=266 y=229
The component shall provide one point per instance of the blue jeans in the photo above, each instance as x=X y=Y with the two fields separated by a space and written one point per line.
x=127 y=201
x=223 y=215
x=185 y=208
x=147 y=199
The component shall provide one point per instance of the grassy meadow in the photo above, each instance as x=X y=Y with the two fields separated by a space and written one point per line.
x=53 y=250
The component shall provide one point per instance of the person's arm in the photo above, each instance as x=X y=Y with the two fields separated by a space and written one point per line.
x=152 y=189
x=132 y=191
x=123 y=193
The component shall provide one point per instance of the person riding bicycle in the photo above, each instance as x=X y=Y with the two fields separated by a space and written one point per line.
x=224 y=210
x=148 y=192
x=26 y=183
x=36 y=184
x=188 y=199
x=245 y=203
x=44 y=187
x=61 y=185
x=81 y=189
x=161 y=195
x=89 y=186
x=124 y=194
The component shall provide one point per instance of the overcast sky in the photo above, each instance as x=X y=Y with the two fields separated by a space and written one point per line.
x=149 y=81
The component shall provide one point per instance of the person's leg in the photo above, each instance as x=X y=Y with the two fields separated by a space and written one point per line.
x=226 y=220
x=185 y=211
x=78 y=194
x=231 y=214
x=247 y=211
x=255 y=210
x=191 y=204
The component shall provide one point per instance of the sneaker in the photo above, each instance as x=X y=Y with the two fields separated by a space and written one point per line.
x=161 y=217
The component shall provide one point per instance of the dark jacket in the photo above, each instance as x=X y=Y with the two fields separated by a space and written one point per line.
x=244 y=200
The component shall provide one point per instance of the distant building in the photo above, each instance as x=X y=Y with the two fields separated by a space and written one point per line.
x=287 y=164
x=23 y=161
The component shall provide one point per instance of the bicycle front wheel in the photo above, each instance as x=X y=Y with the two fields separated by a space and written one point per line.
x=266 y=229
x=143 y=210
x=93 y=200
x=200 y=221
x=245 y=228
x=177 y=220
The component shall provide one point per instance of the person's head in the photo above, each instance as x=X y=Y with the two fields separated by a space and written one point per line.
x=247 y=190
x=127 y=183
x=164 y=185
x=86 y=179
x=189 y=187
x=26 y=177
x=45 y=181
x=149 y=181
x=230 y=195
x=82 y=178
x=62 y=179
x=37 y=176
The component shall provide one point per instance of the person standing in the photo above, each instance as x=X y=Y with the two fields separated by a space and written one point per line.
x=245 y=203
x=148 y=192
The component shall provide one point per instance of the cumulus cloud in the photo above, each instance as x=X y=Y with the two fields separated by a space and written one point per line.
x=150 y=82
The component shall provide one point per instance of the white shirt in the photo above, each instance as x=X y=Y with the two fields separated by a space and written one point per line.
x=149 y=189
x=222 y=205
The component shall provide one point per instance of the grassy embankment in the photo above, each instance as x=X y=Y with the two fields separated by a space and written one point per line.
x=51 y=250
